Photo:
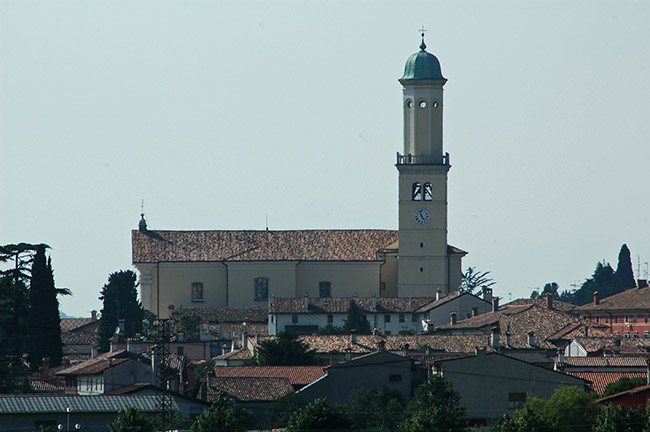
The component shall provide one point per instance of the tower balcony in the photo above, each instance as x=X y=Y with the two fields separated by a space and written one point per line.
x=410 y=159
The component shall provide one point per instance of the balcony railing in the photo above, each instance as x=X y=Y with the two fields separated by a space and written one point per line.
x=410 y=159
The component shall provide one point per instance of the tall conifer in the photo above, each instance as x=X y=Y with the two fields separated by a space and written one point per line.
x=624 y=276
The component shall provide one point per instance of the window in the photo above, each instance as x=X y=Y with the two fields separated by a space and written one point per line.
x=180 y=350
x=395 y=378
x=409 y=103
x=516 y=400
x=627 y=318
x=261 y=288
x=422 y=104
x=414 y=318
x=646 y=334
x=635 y=334
x=294 y=318
x=615 y=319
x=597 y=319
x=645 y=318
x=197 y=291
x=416 y=192
x=330 y=319
x=325 y=289
x=428 y=192
x=606 y=319
x=382 y=286
x=387 y=318
x=626 y=335
x=634 y=318
x=401 y=318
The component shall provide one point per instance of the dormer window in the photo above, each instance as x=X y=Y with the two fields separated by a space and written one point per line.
x=417 y=192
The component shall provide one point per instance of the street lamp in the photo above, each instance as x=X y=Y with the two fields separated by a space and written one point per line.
x=67 y=410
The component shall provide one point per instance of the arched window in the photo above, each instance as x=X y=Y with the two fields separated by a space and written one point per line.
x=197 y=291
x=416 y=192
x=325 y=289
x=428 y=192
x=261 y=288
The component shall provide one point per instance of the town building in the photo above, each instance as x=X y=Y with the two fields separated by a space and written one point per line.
x=246 y=268
x=626 y=314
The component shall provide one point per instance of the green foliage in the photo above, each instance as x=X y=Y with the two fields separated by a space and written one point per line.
x=434 y=407
x=355 y=320
x=624 y=276
x=120 y=299
x=568 y=409
x=473 y=279
x=286 y=349
x=44 y=320
x=14 y=306
x=377 y=410
x=320 y=416
x=224 y=416
x=132 y=420
x=622 y=419
x=282 y=409
x=622 y=384
x=330 y=329
x=188 y=323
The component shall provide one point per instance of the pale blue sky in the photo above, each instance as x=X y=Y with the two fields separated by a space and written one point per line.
x=218 y=113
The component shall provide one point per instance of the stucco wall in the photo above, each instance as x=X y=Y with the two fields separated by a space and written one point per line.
x=346 y=278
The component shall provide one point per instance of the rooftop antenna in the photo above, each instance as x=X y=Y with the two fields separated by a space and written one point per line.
x=267 y=221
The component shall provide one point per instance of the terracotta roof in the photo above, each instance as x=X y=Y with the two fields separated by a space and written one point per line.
x=519 y=320
x=449 y=297
x=133 y=388
x=297 y=375
x=70 y=324
x=631 y=299
x=238 y=354
x=228 y=314
x=299 y=245
x=608 y=361
x=599 y=380
x=331 y=305
x=30 y=404
x=557 y=304
x=630 y=392
x=251 y=389
x=234 y=330
x=78 y=338
x=47 y=385
x=614 y=344
x=98 y=364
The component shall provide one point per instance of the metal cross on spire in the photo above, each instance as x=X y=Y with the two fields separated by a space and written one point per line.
x=423 y=46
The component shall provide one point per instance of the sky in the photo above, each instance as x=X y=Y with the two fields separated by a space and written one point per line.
x=229 y=114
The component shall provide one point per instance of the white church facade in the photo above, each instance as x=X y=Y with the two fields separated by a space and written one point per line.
x=246 y=268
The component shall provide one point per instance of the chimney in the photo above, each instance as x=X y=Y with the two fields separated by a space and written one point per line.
x=381 y=345
x=452 y=318
x=353 y=337
x=494 y=340
x=93 y=315
x=549 y=301
x=244 y=339
x=45 y=368
x=642 y=283
x=596 y=298
x=508 y=338
x=495 y=304
x=487 y=294
x=373 y=299
x=474 y=311
x=93 y=349
x=430 y=326
x=531 y=338
x=306 y=302
x=438 y=295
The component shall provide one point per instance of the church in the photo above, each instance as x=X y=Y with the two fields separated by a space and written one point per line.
x=245 y=268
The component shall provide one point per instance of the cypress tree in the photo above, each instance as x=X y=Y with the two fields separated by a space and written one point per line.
x=44 y=322
x=120 y=299
x=624 y=276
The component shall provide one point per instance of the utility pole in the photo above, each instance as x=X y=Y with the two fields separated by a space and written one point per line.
x=163 y=373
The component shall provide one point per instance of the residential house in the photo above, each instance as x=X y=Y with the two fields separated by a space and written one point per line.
x=363 y=373
x=626 y=314
x=491 y=385
x=600 y=371
x=188 y=406
x=78 y=336
x=28 y=412
x=388 y=315
x=637 y=397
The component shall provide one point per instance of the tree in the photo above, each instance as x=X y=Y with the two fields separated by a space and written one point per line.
x=602 y=281
x=622 y=384
x=132 y=420
x=624 y=276
x=120 y=299
x=224 y=416
x=282 y=409
x=434 y=407
x=619 y=418
x=189 y=324
x=355 y=320
x=44 y=319
x=320 y=416
x=376 y=410
x=568 y=409
x=473 y=279
x=286 y=349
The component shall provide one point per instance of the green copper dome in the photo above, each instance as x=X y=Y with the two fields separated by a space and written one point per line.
x=422 y=66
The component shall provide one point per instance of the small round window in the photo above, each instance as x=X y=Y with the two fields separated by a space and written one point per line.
x=435 y=104
x=409 y=104
x=423 y=104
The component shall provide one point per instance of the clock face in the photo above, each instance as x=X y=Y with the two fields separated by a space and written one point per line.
x=421 y=216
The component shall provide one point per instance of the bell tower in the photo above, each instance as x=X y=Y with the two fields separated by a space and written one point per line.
x=426 y=264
